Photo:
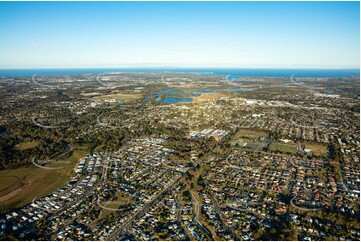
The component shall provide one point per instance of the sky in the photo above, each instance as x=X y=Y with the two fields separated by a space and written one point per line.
x=180 y=34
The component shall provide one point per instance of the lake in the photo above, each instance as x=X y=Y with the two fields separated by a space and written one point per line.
x=181 y=93
x=177 y=100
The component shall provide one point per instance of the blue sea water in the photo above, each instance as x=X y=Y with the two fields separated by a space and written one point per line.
x=232 y=73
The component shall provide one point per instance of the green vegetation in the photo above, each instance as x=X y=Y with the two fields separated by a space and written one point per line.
x=201 y=173
x=283 y=148
x=20 y=186
x=77 y=154
x=249 y=134
x=253 y=177
x=121 y=201
x=25 y=184
x=27 y=145
x=238 y=143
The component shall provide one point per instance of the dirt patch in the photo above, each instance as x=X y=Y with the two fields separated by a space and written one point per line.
x=13 y=193
x=8 y=183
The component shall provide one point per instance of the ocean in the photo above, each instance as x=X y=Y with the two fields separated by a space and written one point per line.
x=232 y=73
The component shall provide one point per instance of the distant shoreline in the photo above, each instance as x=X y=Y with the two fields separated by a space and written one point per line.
x=233 y=72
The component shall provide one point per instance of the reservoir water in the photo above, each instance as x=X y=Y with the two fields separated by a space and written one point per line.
x=177 y=99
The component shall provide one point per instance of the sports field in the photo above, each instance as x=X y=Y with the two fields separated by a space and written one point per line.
x=249 y=134
x=282 y=148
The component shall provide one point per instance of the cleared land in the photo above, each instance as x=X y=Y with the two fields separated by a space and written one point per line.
x=90 y=94
x=19 y=187
x=206 y=97
x=119 y=96
x=318 y=149
x=27 y=145
x=31 y=182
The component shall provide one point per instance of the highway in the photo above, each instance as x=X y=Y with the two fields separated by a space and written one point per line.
x=218 y=215
x=197 y=209
x=125 y=227
x=179 y=219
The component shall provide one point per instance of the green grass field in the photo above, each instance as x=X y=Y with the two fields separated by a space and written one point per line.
x=240 y=143
x=282 y=148
x=122 y=200
x=76 y=155
x=249 y=134
x=19 y=187
x=27 y=145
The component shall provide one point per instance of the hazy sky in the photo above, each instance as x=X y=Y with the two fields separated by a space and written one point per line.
x=184 y=34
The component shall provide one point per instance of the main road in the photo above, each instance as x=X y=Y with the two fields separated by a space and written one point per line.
x=218 y=214
x=125 y=227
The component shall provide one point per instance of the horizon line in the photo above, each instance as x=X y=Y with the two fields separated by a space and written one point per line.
x=182 y=67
